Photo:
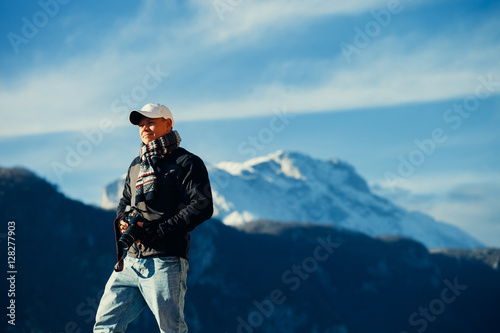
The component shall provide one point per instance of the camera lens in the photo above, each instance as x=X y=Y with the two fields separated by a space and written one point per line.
x=126 y=240
x=133 y=232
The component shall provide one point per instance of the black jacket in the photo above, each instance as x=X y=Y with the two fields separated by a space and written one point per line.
x=182 y=202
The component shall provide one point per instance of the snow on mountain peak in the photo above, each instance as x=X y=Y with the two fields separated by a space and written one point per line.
x=291 y=186
x=295 y=165
x=286 y=186
x=278 y=162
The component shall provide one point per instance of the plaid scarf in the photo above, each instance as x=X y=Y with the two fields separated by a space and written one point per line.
x=146 y=184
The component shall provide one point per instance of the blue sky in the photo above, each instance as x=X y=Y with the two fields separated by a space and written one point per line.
x=364 y=79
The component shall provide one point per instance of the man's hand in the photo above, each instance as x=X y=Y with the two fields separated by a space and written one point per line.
x=123 y=226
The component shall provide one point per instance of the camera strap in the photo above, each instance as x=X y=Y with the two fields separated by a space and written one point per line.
x=120 y=252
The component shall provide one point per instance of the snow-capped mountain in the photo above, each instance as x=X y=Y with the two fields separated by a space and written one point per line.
x=290 y=186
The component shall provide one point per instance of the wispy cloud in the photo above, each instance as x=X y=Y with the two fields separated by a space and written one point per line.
x=72 y=97
x=395 y=69
x=249 y=20
x=391 y=79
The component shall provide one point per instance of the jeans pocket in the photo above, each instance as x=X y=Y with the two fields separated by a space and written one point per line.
x=170 y=260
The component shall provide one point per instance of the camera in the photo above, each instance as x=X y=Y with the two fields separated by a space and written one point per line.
x=134 y=231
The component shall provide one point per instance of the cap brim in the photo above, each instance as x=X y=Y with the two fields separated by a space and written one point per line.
x=135 y=117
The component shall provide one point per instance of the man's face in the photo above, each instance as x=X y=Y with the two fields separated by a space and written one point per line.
x=151 y=129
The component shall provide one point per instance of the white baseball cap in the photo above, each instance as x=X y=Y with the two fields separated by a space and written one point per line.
x=151 y=110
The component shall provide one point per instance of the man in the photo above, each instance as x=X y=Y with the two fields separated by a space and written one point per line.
x=170 y=190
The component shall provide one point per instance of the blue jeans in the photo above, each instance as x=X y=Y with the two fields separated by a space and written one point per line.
x=159 y=283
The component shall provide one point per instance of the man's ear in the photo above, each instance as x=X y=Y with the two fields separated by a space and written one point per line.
x=169 y=122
